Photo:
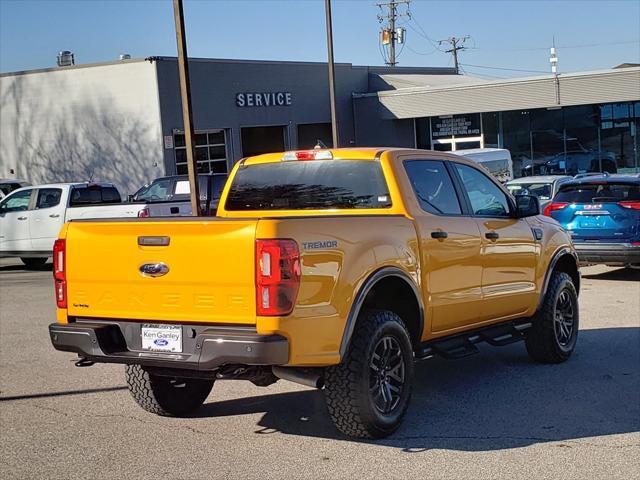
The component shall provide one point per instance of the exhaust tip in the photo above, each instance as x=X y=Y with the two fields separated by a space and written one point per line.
x=310 y=377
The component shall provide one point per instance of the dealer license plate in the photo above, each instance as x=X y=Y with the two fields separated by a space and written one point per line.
x=162 y=338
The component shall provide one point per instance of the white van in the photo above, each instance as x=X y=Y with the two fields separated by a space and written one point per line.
x=496 y=160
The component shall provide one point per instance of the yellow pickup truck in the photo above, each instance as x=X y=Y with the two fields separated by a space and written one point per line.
x=335 y=269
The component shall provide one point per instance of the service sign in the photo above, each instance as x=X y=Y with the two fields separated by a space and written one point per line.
x=263 y=99
x=456 y=125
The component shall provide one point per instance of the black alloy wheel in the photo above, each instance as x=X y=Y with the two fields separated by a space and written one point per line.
x=387 y=374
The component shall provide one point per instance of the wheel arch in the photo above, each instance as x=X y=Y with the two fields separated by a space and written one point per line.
x=564 y=260
x=388 y=288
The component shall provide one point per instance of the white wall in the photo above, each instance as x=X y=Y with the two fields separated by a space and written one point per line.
x=98 y=123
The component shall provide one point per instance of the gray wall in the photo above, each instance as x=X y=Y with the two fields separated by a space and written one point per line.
x=374 y=128
x=214 y=84
x=94 y=122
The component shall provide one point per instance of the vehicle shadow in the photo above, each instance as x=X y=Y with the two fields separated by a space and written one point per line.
x=496 y=400
x=47 y=267
x=624 y=274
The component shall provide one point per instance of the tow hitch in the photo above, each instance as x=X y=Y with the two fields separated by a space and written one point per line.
x=83 y=362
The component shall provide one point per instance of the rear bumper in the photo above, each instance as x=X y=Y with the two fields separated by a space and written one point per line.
x=608 y=253
x=204 y=348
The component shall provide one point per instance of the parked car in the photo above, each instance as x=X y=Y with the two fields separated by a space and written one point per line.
x=602 y=215
x=496 y=160
x=8 y=185
x=332 y=268
x=31 y=217
x=170 y=196
x=542 y=186
x=574 y=163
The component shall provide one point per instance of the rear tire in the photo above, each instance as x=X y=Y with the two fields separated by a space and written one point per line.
x=368 y=393
x=554 y=333
x=166 y=396
x=33 y=263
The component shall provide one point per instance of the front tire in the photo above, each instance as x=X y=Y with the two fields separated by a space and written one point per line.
x=368 y=393
x=554 y=333
x=33 y=263
x=166 y=396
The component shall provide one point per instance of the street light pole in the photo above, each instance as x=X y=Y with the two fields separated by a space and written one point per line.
x=332 y=75
x=185 y=94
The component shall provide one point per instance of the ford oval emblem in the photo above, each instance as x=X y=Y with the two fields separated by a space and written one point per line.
x=154 y=269
x=161 y=342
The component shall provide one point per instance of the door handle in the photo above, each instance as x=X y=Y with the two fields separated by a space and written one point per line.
x=439 y=234
x=492 y=235
x=22 y=218
x=54 y=215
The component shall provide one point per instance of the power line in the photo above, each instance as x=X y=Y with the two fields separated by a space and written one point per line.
x=422 y=53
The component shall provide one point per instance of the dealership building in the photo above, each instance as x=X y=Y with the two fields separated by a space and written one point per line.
x=122 y=121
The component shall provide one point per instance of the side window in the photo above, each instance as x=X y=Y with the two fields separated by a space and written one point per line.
x=487 y=200
x=18 y=202
x=48 y=197
x=433 y=187
x=158 y=191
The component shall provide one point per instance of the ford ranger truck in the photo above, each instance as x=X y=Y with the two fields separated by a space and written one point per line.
x=336 y=269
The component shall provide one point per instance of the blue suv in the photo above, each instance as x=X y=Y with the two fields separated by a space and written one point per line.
x=602 y=215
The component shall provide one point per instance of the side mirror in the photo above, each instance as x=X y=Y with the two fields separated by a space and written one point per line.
x=130 y=198
x=527 y=206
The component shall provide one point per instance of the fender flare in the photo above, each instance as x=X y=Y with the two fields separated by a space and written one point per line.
x=364 y=290
x=552 y=264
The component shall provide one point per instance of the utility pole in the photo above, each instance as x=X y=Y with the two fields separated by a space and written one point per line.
x=391 y=36
x=456 y=44
x=187 y=118
x=332 y=74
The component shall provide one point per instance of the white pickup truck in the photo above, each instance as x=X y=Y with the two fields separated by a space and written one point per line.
x=31 y=217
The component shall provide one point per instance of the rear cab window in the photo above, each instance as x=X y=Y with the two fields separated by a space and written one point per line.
x=597 y=192
x=309 y=185
x=82 y=196
x=433 y=187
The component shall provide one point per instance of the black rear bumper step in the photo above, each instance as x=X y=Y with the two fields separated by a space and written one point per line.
x=463 y=345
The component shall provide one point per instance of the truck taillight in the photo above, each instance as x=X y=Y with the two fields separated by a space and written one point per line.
x=277 y=276
x=60 y=272
x=552 y=207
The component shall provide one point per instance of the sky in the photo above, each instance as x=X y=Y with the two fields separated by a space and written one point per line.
x=508 y=38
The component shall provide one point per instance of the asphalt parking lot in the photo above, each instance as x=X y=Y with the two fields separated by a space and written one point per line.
x=492 y=415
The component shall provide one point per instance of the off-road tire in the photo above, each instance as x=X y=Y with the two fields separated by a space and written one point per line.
x=349 y=399
x=33 y=263
x=543 y=344
x=166 y=396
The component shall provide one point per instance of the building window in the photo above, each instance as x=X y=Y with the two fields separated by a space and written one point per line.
x=423 y=133
x=490 y=129
x=259 y=140
x=456 y=132
x=211 y=152
x=310 y=133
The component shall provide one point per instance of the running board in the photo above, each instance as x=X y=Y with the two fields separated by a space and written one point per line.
x=463 y=345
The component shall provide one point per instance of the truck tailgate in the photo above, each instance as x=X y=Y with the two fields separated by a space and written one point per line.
x=207 y=277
